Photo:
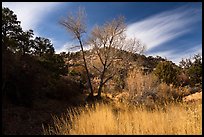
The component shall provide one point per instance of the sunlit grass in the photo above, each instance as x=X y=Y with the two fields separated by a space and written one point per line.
x=108 y=119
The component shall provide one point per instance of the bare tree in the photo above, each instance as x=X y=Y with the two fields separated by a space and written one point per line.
x=108 y=42
x=76 y=26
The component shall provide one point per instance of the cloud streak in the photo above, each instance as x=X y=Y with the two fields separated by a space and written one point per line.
x=31 y=13
x=163 y=27
x=65 y=48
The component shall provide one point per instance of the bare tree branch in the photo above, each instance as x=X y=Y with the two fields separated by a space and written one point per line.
x=107 y=42
x=96 y=68
x=107 y=79
x=76 y=26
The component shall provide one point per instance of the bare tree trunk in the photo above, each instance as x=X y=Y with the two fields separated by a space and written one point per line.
x=101 y=83
x=87 y=72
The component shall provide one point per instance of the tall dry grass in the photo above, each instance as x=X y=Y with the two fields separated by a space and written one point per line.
x=148 y=117
x=106 y=119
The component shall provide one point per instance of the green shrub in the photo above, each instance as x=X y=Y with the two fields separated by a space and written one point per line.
x=193 y=69
x=166 y=72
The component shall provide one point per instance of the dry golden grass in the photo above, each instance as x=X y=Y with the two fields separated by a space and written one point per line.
x=108 y=119
x=116 y=117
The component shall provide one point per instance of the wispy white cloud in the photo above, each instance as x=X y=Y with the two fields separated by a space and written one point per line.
x=31 y=13
x=177 y=57
x=72 y=46
x=68 y=46
x=64 y=48
x=163 y=27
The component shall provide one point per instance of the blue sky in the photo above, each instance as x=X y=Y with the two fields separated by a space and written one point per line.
x=172 y=30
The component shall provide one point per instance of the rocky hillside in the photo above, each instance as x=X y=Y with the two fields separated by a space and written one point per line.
x=146 y=63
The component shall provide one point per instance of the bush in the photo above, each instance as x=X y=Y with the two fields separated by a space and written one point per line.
x=193 y=69
x=54 y=64
x=63 y=89
x=137 y=83
x=144 y=89
x=167 y=73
